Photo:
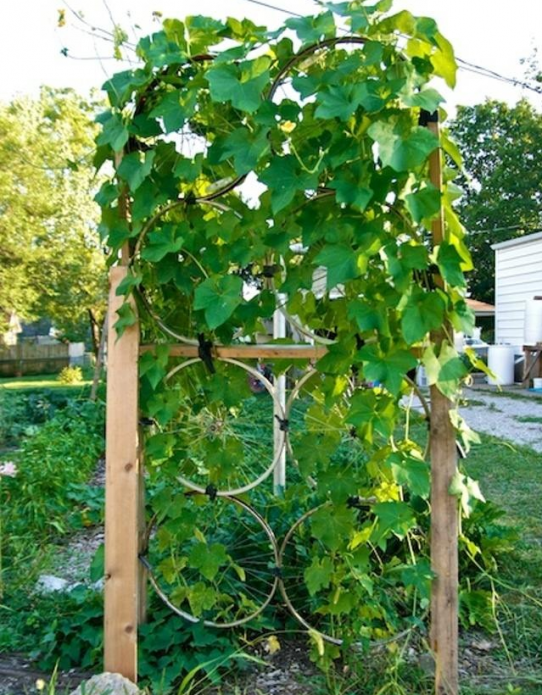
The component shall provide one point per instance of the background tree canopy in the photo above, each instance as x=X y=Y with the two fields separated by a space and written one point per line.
x=51 y=263
x=501 y=147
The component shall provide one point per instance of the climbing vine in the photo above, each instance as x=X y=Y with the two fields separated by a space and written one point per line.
x=257 y=169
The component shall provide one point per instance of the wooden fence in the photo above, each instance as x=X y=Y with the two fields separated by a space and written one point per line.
x=31 y=358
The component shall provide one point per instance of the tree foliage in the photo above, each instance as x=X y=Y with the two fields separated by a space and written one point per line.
x=501 y=146
x=51 y=263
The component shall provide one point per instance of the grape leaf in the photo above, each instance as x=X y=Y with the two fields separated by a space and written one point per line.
x=134 y=169
x=242 y=85
x=341 y=263
x=423 y=204
x=175 y=109
x=161 y=242
x=402 y=151
x=333 y=526
x=389 y=368
x=246 y=148
x=208 y=559
x=450 y=264
x=318 y=575
x=219 y=297
x=284 y=178
x=423 y=312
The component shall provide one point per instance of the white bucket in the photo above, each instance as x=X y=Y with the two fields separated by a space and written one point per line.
x=533 y=321
x=537 y=383
x=500 y=360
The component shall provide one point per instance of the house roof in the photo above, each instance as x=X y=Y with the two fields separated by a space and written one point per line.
x=525 y=239
x=480 y=308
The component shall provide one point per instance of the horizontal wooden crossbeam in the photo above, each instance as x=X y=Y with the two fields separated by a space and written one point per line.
x=264 y=351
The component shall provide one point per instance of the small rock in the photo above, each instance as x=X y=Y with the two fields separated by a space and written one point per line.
x=47 y=583
x=482 y=646
x=107 y=684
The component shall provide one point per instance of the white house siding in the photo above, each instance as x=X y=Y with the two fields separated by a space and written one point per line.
x=518 y=278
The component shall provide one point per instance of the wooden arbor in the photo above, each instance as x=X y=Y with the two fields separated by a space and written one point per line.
x=125 y=588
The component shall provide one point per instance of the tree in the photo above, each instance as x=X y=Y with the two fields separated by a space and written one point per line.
x=51 y=263
x=501 y=147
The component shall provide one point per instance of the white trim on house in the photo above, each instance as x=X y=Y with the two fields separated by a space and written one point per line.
x=525 y=239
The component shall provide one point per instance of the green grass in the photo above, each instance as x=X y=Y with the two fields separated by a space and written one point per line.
x=511 y=476
x=41 y=381
x=529 y=418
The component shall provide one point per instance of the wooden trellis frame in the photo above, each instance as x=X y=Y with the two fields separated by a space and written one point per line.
x=125 y=585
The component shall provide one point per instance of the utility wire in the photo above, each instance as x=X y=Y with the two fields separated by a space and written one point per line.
x=274 y=7
x=463 y=64
x=514 y=228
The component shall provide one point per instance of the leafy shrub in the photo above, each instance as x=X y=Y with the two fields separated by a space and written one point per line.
x=61 y=455
x=21 y=412
x=71 y=375
x=13 y=419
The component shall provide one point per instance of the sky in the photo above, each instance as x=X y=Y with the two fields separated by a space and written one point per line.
x=490 y=33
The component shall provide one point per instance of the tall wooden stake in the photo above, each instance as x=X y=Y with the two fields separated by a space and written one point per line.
x=122 y=494
x=444 y=511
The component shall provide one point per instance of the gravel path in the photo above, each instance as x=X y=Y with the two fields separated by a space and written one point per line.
x=504 y=417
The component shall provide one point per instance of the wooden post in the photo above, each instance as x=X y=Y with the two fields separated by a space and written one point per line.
x=122 y=494
x=444 y=508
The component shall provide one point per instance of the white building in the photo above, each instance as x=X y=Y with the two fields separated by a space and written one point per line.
x=518 y=278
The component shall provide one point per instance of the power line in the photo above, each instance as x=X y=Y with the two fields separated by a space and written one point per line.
x=463 y=64
x=274 y=7
x=514 y=228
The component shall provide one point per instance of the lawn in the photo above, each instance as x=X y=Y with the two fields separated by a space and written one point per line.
x=42 y=381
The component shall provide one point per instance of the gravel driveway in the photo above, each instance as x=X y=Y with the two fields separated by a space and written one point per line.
x=505 y=417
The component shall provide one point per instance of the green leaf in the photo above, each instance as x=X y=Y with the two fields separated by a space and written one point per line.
x=450 y=264
x=313 y=29
x=201 y=597
x=241 y=85
x=127 y=318
x=423 y=312
x=388 y=369
x=369 y=316
x=284 y=178
x=121 y=86
x=424 y=204
x=163 y=241
x=318 y=575
x=369 y=96
x=208 y=559
x=153 y=365
x=160 y=51
x=341 y=263
x=402 y=151
x=246 y=148
x=339 y=101
x=467 y=490
x=134 y=169
x=393 y=517
x=219 y=297
x=97 y=565
x=333 y=525
x=445 y=371
x=175 y=109
x=127 y=284
x=444 y=62
x=114 y=133
x=428 y=99
x=350 y=192
x=411 y=472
